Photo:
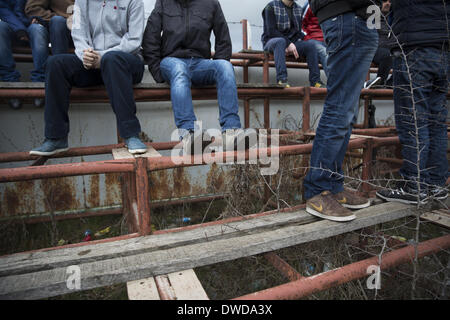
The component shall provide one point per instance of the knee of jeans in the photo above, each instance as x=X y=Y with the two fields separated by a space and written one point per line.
x=54 y=63
x=4 y=29
x=111 y=58
x=57 y=22
x=176 y=71
x=224 y=67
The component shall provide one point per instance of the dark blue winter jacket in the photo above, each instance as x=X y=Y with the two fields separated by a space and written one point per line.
x=422 y=22
x=12 y=12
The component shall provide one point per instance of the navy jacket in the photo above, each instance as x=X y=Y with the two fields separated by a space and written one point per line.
x=12 y=12
x=421 y=22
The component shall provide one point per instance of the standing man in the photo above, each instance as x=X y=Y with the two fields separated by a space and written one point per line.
x=177 y=50
x=421 y=78
x=283 y=35
x=107 y=37
x=351 y=46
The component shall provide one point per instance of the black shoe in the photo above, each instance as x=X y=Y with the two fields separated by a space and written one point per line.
x=15 y=103
x=389 y=81
x=192 y=139
x=370 y=83
x=438 y=193
x=402 y=194
x=38 y=102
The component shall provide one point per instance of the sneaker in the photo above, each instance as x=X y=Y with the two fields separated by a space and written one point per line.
x=326 y=206
x=319 y=85
x=135 y=145
x=402 y=194
x=349 y=199
x=51 y=147
x=191 y=139
x=370 y=83
x=233 y=138
x=284 y=83
x=439 y=193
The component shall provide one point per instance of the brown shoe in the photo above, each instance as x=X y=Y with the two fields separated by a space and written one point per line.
x=325 y=206
x=349 y=199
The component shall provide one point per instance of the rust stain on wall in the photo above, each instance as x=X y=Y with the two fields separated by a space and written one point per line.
x=159 y=185
x=59 y=194
x=113 y=188
x=94 y=191
x=18 y=198
x=181 y=182
x=215 y=179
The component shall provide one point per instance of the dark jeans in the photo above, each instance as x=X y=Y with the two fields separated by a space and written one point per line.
x=383 y=59
x=118 y=72
x=420 y=115
x=60 y=37
x=8 y=70
x=351 y=47
x=308 y=49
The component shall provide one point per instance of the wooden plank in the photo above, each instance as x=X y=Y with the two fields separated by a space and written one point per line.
x=42 y=260
x=440 y=217
x=144 y=289
x=120 y=269
x=187 y=286
x=122 y=153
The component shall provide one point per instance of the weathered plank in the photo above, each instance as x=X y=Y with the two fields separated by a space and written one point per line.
x=440 y=217
x=186 y=285
x=120 y=269
x=144 y=289
x=122 y=153
x=43 y=260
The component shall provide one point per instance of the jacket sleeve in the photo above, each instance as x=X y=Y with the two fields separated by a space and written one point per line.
x=271 y=25
x=80 y=28
x=8 y=15
x=39 y=9
x=19 y=10
x=223 y=45
x=132 y=40
x=152 y=42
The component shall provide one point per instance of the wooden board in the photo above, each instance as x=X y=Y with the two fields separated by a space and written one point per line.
x=122 y=153
x=186 y=250
x=440 y=217
x=144 y=289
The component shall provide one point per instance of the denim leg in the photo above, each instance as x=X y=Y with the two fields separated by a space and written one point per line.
x=39 y=48
x=420 y=116
x=61 y=74
x=8 y=70
x=175 y=71
x=321 y=49
x=351 y=47
x=308 y=49
x=221 y=74
x=120 y=70
x=278 y=46
x=59 y=35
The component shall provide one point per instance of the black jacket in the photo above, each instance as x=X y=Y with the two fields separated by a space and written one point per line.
x=421 y=22
x=325 y=9
x=182 y=29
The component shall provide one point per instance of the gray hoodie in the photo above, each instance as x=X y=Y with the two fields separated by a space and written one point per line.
x=108 y=25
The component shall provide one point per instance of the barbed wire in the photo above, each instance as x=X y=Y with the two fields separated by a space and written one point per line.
x=251 y=24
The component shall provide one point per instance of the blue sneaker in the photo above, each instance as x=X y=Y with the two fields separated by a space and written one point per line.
x=51 y=147
x=135 y=145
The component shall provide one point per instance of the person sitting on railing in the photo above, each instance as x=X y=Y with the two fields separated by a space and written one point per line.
x=313 y=34
x=282 y=35
x=383 y=57
x=177 y=49
x=421 y=77
x=107 y=51
x=15 y=30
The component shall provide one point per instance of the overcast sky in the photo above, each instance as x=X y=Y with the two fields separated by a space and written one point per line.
x=235 y=11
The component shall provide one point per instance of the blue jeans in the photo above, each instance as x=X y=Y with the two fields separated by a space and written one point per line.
x=351 y=47
x=181 y=73
x=307 y=49
x=8 y=70
x=39 y=47
x=118 y=72
x=60 y=37
x=430 y=71
x=321 y=49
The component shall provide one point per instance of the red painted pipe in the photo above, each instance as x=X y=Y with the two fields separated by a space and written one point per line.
x=306 y=286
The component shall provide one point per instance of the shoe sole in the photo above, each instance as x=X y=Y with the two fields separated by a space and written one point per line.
x=137 y=151
x=373 y=83
x=323 y=216
x=356 y=206
x=42 y=153
x=399 y=200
